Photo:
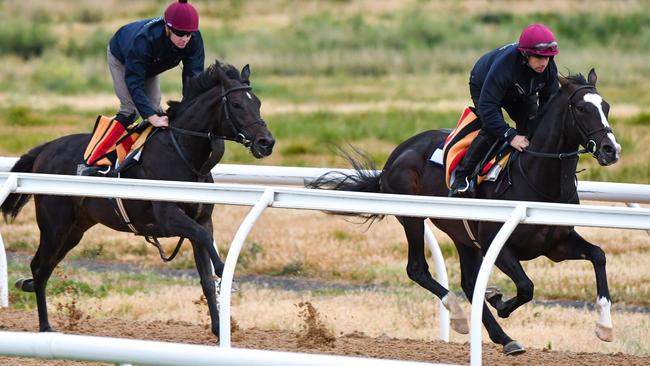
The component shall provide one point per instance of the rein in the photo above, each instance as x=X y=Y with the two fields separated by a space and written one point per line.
x=214 y=157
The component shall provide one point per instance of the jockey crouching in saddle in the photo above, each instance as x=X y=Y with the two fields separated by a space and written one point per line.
x=137 y=54
x=513 y=77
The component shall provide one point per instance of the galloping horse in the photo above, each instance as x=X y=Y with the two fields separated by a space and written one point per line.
x=576 y=115
x=218 y=105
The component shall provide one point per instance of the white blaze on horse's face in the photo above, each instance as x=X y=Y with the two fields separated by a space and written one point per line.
x=249 y=96
x=597 y=101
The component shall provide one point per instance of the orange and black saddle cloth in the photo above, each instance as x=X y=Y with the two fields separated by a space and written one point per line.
x=130 y=142
x=456 y=145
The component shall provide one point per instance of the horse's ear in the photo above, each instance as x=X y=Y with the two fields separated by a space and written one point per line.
x=592 y=77
x=564 y=82
x=246 y=74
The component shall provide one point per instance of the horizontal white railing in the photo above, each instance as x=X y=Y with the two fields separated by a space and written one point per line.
x=510 y=212
x=128 y=351
x=281 y=175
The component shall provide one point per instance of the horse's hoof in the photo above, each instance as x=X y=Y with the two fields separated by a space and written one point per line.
x=458 y=320
x=604 y=333
x=513 y=348
x=493 y=295
x=25 y=284
x=459 y=325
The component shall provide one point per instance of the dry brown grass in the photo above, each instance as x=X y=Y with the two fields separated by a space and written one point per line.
x=313 y=244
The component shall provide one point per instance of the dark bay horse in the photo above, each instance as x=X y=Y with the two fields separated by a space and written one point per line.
x=576 y=116
x=218 y=104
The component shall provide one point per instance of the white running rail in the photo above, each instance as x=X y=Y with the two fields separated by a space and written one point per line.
x=509 y=212
x=132 y=351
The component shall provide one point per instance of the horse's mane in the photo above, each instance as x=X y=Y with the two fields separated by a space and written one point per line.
x=198 y=85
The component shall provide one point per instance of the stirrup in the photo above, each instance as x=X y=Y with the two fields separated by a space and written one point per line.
x=95 y=171
x=466 y=190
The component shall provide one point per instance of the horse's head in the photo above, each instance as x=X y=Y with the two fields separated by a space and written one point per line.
x=589 y=113
x=239 y=110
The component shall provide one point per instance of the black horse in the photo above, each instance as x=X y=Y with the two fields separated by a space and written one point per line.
x=218 y=104
x=577 y=115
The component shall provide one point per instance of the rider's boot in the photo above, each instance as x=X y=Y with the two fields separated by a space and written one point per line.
x=95 y=162
x=464 y=184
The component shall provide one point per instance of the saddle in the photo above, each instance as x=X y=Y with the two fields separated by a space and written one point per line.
x=453 y=149
x=127 y=150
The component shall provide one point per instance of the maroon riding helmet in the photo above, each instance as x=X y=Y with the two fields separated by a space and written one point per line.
x=537 y=39
x=182 y=16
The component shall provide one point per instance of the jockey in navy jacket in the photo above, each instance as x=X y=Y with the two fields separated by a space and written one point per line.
x=501 y=79
x=520 y=78
x=146 y=51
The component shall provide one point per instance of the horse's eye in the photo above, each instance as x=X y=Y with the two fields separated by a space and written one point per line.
x=236 y=105
x=580 y=109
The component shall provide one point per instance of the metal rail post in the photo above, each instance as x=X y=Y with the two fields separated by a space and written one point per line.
x=441 y=276
x=478 y=297
x=10 y=186
x=231 y=260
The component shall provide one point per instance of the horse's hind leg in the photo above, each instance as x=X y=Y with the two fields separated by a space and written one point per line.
x=470 y=263
x=51 y=251
x=510 y=265
x=418 y=271
x=59 y=234
x=575 y=247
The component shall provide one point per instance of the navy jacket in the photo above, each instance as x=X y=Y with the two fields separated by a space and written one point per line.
x=146 y=51
x=503 y=78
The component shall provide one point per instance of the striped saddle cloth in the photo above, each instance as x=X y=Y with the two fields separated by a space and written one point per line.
x=455 y=146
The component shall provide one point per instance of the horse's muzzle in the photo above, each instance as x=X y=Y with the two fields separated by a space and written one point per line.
x=262 y=146
x=609 y=152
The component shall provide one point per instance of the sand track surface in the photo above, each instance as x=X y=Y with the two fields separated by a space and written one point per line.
x=355 y=344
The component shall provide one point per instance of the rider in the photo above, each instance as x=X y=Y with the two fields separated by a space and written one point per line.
x=137 y=54
x=513 y=77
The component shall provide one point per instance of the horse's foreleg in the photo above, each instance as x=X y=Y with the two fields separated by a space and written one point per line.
x=574 y=247
x=418 y=271
x=470 y=263
x=204 y=267
x=512 y=268
x=174 y=222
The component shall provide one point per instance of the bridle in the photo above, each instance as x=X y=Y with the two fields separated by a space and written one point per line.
x=240 y=136
x=585 y=134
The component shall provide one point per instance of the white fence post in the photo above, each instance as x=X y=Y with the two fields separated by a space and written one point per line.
x=9 y=186
x=231 y=260
x=518 y=215
x=441 y=277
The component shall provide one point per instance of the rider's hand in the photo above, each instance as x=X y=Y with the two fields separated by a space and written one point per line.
x=519 y=142
x=158 y=121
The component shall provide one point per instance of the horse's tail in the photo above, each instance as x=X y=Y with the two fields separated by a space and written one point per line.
x=364 y=178
x=16 y=201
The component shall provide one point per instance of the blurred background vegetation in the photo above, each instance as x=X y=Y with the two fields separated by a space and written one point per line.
x=366 y=72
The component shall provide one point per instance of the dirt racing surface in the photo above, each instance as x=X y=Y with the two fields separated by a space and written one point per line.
x=312 y=339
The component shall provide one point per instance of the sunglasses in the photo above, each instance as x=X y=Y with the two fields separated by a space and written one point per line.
x=180 y=33
x=546 y=47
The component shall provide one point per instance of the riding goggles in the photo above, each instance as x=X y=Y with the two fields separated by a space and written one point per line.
x=545 y=47
x=180 y=33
